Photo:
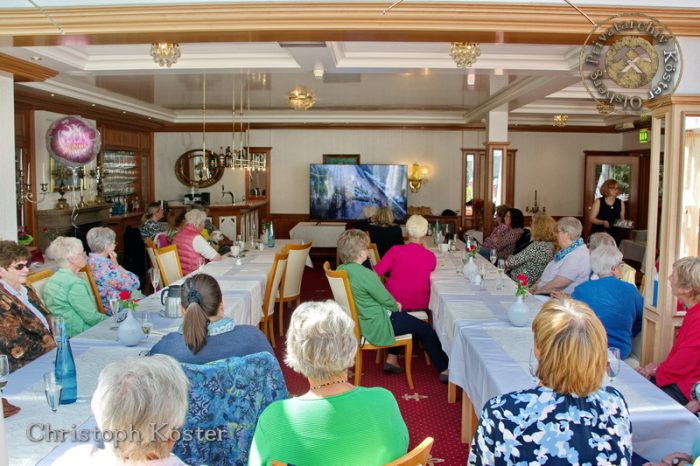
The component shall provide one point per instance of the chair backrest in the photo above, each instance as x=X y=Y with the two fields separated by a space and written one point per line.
x=298 y=253
x=86 y=274
x=274 y=282
x=37 y=281
x=342 y=293
x=169 y=264
x=628 y=274
x=419 y=456
x=373 y=254
x=151 y=250
x=228 y=396
x=161 y=240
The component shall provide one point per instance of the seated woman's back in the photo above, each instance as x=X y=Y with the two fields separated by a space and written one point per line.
x=384 y=232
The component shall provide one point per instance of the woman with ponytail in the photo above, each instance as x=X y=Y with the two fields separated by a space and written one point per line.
x=206 y=334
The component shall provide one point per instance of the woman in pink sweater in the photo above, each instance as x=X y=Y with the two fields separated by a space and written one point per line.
x=409 y=266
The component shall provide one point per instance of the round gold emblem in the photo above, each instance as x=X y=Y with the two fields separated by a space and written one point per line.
x=631 y=62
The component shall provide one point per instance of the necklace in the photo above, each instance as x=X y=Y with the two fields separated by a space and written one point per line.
x=333 y=382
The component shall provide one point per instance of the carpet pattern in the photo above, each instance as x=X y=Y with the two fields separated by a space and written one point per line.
x=425 y=409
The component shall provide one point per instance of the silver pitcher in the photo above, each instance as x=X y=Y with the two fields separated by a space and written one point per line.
x=171 y=301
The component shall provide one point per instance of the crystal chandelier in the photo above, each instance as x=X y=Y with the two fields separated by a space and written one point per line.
x=465 y=54
x=560 y=120
x=301 y=98
x=604 y=107
x=165 y=53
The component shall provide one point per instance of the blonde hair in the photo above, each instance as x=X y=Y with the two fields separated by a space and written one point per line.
x=572 y=347
x=384 y=217
x=544 y=228
x=350 y=244
x=687 y=272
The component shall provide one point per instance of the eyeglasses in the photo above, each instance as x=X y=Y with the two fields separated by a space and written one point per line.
x=21 y=266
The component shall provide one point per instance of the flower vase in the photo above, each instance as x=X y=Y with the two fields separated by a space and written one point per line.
x=130 y=332
x=470 y=270
x=519 y=313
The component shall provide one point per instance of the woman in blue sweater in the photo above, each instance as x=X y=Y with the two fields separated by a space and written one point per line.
x=206 y=334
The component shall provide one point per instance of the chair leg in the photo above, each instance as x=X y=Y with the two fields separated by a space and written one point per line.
x=271 y=325
x=358 y=367
x=380 y=354
x=409 y=355
x=281 y=317
x=427 y=359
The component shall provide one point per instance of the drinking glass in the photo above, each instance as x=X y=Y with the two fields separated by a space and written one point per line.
x=154 y=276
x=613 y=363
x=52 y=389
x=58 y=326
x=532 y=366
x=4 y=371
x=501 y=272
x=146 y=324
x=114 y=307
x=493 y=256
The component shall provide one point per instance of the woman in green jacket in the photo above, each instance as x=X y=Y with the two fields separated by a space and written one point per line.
x=65 y=293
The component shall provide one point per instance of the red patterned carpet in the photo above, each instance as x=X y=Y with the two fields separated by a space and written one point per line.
x=424 y=409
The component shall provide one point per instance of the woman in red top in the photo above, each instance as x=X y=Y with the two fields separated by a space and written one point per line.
x=681 y=368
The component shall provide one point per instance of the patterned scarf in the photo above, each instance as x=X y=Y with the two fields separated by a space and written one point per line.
x=564 y=252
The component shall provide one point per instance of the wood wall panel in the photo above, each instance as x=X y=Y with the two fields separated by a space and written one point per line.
x=285 y=222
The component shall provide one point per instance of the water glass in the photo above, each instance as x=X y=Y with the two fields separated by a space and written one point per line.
x=4 y=371
x=58 y=327
x=146 y=324
x=501 y=272
x=52 y=389
x=613 y=367
x=493 y=256
x=114 y=304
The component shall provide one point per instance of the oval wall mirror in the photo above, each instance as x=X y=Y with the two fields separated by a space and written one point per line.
x=195 y=169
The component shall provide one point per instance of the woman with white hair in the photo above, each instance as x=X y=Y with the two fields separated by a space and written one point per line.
x=192 y=248
x=65 y=293
x=618 y=304
x=334 y=422
x=571 y=265
x=110 y=277
x=142 y=403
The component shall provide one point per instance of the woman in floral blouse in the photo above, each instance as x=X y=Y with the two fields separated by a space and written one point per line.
x=110 y=277
x=506 y=235
x=532 y=260
x=568 y=418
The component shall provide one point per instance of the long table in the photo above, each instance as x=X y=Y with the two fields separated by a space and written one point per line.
x=489 y=357
x=28 y=431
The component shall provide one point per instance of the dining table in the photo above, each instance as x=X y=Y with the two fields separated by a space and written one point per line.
x=36 y=435
x=489 y=356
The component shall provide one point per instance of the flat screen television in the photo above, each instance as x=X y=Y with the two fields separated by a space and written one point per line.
x=340 y=192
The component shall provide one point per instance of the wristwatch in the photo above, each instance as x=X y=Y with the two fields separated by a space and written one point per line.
x=695 y=391
x=679 y=461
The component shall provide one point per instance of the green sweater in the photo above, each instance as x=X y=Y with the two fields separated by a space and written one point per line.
x=362 y=427
x=69 y=296
x=373 y=303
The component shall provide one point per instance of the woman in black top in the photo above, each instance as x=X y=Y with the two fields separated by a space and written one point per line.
x=384 y=232
x=607 y=210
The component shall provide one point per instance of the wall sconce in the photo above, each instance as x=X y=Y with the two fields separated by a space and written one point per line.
x=417 y=176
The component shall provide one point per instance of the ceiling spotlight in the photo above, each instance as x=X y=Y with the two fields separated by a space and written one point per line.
x=604 y=107
x=319 y=71
x=301 y=98
x=165 y=53
x=560 y=120
x=465 y=54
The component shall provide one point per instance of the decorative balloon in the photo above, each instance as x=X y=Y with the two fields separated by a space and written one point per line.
x=73 y=141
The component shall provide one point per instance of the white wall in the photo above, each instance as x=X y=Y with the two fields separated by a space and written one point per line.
x=552 y=163
x=8 y=201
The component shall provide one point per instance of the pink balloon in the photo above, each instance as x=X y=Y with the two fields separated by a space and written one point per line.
x=73 y=141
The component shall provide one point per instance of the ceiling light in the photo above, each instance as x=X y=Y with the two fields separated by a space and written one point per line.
x=465 y=54
x=319 y=71
x=301 y=98
x=471 y=78
x=604 y=107
x=165 y=53
x=560 y=120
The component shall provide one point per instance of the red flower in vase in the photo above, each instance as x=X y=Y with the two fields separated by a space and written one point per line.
x=522 y=285
x=471 y=250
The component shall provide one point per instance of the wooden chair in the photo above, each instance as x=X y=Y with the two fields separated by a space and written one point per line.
x=273 y=287
x=342 y=294
x=151 y=250
x=373 y=254
x=86 y=274
x=419 y=456
x=37 y=281
x=169 y=264
x=290 y=290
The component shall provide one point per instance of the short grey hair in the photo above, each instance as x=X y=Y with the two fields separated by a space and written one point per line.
x=321 y=340
x=604 y=258
x=687 y=272
x=99 y=238
x=570 y=225
x=600 y=238
x=132 y=395
x=195 y=217
x=63 y=248
x=416 y=227
x=351 y=243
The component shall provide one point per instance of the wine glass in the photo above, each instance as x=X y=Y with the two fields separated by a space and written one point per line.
x=493 y=257
x=154 y=276
x=613 y=363
x=146 y=324
x=52 y=389
x=114 y=307
x=4 y=371
x=532 y=366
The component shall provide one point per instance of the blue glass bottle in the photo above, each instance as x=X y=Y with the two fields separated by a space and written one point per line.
x=65 y=368
x=270 y=236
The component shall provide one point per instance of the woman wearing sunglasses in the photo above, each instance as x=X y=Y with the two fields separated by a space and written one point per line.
x=24 y=320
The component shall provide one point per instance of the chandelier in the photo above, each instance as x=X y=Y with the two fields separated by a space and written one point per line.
x=560 y=120
x=165 y=53
x=465 y=54
x=301 y=98
x=604 y=107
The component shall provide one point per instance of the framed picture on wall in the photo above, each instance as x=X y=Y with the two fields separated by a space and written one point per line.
x=341 y=159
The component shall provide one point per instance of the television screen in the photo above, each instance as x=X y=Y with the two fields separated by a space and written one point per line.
x=340 y=192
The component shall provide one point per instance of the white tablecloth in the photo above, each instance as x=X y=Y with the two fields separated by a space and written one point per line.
x=323 y=234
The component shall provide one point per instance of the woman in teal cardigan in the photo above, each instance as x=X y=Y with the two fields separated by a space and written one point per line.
x=65 y=293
